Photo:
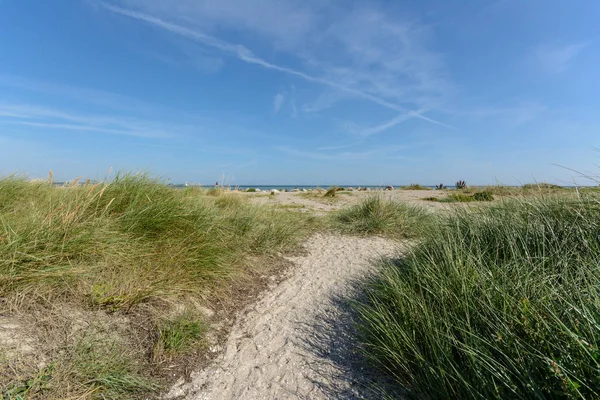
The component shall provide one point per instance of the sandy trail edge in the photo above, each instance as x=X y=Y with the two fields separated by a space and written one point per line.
x=295 y=343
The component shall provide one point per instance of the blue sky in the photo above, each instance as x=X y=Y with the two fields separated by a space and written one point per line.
x=301 y=91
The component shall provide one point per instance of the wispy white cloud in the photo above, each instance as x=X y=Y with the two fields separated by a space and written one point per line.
x=89 y=106
x=409 y=74
x=557 y=59
x=243 y=53
x=355 y=129
x=385 y=126
x=100 y=99
x=43 y=117
x=278 y=102
x=73 y=127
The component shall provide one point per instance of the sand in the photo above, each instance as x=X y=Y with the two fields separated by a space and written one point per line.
x=311 y=202
x=297 y=341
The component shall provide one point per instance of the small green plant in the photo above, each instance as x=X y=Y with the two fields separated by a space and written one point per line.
x=440 y=186
x=251 y=190
x=35 y=385
x=179 y=334
x=461 y=184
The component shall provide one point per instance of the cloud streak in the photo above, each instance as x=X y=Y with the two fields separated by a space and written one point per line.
x=42 y=117
x=244 y=54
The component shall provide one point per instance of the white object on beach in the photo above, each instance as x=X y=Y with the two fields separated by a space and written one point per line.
x=274 y=191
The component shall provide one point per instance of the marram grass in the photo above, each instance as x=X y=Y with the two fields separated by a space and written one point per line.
x=128 y=245
x=379 y=215
x=500 y=302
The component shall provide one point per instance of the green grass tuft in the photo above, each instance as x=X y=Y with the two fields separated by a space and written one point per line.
x=179 y=334
x=415 y=186
x=378 y=215
x=483 y=196
x=463 y=197
x=541 y=186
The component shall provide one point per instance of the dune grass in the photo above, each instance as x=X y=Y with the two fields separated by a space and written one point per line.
x=500 y=302
x=127 y=248
x=379 y=215
x=179 y=334
x=331 y=192
x=415 y=186
x=330 y=196
x=460 y=197
x=529 y=189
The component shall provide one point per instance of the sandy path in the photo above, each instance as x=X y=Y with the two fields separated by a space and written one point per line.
x=295 y=343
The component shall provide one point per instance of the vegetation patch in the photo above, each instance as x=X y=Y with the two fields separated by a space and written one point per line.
x=329 y=196
x=460 y=197
x=179 y=334
x=378 y=215
x=415 y=186
x=503 y=302
x=541 y=186
x=129 y=247
x=331 y=192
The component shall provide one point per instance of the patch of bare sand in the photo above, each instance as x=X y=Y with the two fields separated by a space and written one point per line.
x=311 y=202
x=297 y=341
